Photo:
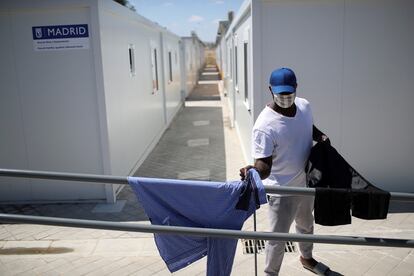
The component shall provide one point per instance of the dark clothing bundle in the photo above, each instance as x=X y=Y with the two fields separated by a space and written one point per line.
x=333 y=178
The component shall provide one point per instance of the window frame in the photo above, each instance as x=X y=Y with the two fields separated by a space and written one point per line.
x=246 y=70
x=131 y=57
x=170 y=68
x=236 y=77
x=154 y=70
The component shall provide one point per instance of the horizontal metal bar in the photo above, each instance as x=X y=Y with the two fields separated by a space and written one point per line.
x=395 y=196
x=109 y=179
x=206 y=232
x=93 y=178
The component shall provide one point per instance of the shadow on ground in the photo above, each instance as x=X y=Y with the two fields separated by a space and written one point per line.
x=132 y=210
x=205 y=92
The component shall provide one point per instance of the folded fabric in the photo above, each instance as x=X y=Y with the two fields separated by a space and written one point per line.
x=198 y=204
x=370 y=203
x=328 y=171
x=332 y=207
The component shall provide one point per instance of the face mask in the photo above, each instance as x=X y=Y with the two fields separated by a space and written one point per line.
x=285 y=101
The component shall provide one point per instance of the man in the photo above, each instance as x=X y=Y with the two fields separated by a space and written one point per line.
x=281 y=141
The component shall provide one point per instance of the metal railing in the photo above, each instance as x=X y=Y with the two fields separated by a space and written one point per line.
x=205 y=232
x=123 y=180
x=210 y=232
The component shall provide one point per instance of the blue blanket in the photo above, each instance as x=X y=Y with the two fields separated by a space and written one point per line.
x=204 y=204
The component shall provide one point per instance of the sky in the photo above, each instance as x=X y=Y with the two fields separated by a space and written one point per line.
x=183 y=16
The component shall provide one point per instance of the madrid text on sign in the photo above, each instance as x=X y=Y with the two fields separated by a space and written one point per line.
x=66 y=31
x=60 y=31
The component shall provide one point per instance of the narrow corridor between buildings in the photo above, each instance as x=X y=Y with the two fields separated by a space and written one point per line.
x=193 y=146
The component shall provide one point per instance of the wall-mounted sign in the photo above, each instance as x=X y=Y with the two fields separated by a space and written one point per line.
x=60 y=37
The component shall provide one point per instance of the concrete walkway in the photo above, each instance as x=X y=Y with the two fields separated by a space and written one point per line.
x=198 y=145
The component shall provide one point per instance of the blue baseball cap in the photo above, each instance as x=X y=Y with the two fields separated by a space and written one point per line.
x=283 y=80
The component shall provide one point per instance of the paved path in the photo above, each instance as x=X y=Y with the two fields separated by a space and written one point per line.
x=198 y=145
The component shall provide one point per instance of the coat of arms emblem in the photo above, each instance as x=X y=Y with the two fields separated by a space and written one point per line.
x=38 y=32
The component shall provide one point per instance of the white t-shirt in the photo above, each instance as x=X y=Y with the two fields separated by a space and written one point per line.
x=288 y=140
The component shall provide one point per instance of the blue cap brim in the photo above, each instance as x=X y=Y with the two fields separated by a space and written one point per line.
x=283 y=88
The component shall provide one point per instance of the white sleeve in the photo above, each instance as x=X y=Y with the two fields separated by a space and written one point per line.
x=262 y=144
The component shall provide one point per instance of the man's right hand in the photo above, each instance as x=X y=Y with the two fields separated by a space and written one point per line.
x=243 y=171
x=261 y=165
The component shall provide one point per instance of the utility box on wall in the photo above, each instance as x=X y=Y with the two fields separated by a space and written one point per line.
x=80 y=92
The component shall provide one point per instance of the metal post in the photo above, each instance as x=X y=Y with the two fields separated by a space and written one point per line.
x=255 y=244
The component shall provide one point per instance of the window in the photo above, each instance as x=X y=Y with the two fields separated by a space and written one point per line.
x=231 y=63
x=131 y=59
x=235 y=68
x=154 y=65
x=175 y=57
x=170 y=66
x=246 y=72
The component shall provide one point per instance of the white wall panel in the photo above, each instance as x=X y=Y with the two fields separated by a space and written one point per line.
x=190 y=66
x=353 y=62
x=134 y=112
x=172 y=88
x=378 y=91
x=58 y=105
x=243 y=114
x=228 y=81
x=307 y=36
x=12 y=145
x=194 y=59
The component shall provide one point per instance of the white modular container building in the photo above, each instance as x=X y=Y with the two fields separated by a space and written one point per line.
x=194 y=59
x=221 y=49
x=221 y=54
x=86 y=86
x=353 y=61
x=235 y=49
